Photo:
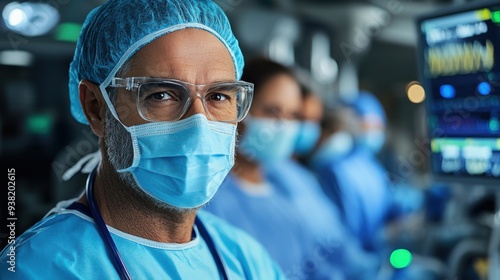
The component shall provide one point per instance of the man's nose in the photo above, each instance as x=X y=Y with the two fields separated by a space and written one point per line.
x=196 y=107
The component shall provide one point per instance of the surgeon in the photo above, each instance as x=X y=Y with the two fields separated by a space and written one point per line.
x=159 y=83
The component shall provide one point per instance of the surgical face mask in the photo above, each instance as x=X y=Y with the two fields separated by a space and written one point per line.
x=180 y=163
x=267 y=139
x=373 y=140
x=335 y=147
x=307 y=137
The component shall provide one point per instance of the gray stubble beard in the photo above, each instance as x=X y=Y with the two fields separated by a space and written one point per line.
x=119 y=149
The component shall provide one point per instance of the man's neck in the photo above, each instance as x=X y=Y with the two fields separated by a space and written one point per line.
x=125 y=209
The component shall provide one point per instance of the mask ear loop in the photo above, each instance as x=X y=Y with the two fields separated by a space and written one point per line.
x=89 y=162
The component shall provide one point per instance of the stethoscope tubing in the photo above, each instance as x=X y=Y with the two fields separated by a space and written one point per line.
x=103 y=230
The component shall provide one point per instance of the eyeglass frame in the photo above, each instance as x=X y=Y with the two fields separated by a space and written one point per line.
x=134 y=83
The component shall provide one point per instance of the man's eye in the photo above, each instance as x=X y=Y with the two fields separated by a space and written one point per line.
x=218 y=97
x=160 y=96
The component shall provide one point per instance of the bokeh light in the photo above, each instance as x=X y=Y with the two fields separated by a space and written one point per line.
x=415 y=92
x=400 y=258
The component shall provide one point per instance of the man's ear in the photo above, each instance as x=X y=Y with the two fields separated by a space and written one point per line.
x=93 y=105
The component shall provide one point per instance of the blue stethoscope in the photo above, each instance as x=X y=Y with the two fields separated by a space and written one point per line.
x=110 y=244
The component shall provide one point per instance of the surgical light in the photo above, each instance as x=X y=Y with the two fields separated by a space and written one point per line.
x=30 y=19
x=15 y=17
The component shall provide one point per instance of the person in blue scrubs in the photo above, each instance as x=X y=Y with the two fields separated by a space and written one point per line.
x=271 y=197
x=318 y=214
x=351 y=175
x=159 y=83
x=246 y=199
x=312 y=112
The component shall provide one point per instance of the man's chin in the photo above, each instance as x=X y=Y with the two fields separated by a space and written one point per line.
x=157 y=203
x=179 y=210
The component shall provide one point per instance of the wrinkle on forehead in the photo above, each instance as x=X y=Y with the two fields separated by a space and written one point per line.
x=191 y=55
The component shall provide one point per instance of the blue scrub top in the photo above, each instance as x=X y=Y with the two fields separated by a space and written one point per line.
x=358 y=184
x=303 y=190
x=267 y=217
x=67 y=245
x=296 y=223
x=323 y=222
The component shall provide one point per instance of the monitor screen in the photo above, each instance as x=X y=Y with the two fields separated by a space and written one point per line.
x=459 y=55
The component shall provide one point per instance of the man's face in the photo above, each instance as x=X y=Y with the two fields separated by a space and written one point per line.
x=189 y=55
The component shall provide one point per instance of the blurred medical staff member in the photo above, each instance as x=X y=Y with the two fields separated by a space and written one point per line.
x=372 y=122
x=340 y=127
x=350 y=173
x=351 y=176
x=282 y=169
x=310 y=130
x=254 y=197
x=247 y=198
x=372 y=138
x=319 y=216
x=158 y=83
x=399 y=200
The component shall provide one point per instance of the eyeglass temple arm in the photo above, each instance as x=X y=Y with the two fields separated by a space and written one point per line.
x=128 y=83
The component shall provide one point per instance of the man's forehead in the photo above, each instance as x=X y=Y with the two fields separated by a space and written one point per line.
x=185 y=55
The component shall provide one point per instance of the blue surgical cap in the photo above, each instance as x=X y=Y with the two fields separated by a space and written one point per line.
x=115 y=31
x=367 y=104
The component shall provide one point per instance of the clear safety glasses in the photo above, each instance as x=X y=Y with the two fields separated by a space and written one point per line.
x=160 y=99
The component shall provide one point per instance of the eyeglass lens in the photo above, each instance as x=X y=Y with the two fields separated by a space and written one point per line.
x=168 y=101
